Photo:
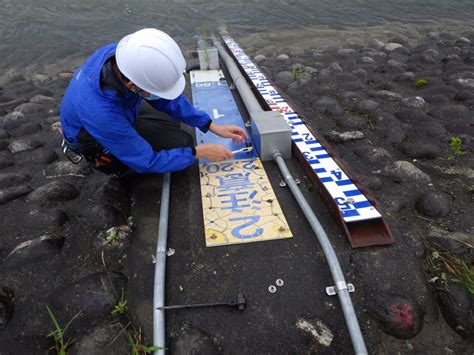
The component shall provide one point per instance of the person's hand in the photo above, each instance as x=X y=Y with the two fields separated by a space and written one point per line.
x=237 y=134
x=213 y=152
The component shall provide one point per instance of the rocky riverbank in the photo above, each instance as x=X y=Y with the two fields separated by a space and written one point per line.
x=400 y=112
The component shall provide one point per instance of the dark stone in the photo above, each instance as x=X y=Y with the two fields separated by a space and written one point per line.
x=420 y=150
x=464 y=95
x=13 y=179
x=394 y=134
x=452 y=113
x=435 y=94
x=102 y=340
x=397 y=315
x=3 y=134
x=27 y=128
x=56 y=191
x=34 y=250
x=12 y=193
x=350 y=122
x=13 y=120
x=4 y=144
x=434 y=129
x=372 y=154
x=367 y=106
x=31 y=109
x=7 y=305
x=434 y=204
x=93 y=296
x=11 y=104
x=284 y=79
x=193 y=341
x=457 y=307
x=414 y=117
x=39 y=156
x=5 y=162
x=42 y=219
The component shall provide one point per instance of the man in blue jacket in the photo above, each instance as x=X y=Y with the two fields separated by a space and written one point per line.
x=100 y=109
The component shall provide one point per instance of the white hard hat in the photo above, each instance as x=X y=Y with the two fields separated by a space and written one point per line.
x=152 y=60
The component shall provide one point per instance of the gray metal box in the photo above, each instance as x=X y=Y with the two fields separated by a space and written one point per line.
x=270 y=132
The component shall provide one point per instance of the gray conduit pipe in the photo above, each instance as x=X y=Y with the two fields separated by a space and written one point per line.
x=160 y=269
x=340 y=285
x=331 y=258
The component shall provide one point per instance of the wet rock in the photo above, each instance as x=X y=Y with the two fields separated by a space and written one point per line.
x=52 y=119
x=395 y=66
x=335 y=68
x=7 y=305
x=350 y=122
x=373 y=155
x=389 y=47
x=406 y=77
x=319 y=332
x=94 y=296
x=5 y=162
x=12 y=193
x=12 y=120
x=346 y=51
x=40 y=78
x=452 y=113
x=102 y=340
x=12 y=179
x=388 y=95
x=397 y=315
x=56 y=128
x=42 y=219
x=27 y=128
x=34 y=250
x=375 y=43
x=420 y=150
x=465 y=83
x=464 y=95
x=114 y=238
x=193 y=341
x=457 y=307
x=406 y=172
x=22 y=145
x=457 y=243
x=367 y=106
x=367 y=60
x=283 y=57
x=39 y=156
x=56 y=191
x=341 y=137
x=66 y=168
x=31 y=109
x=283 y=79
x=42 y=100
x=434 y=204
x=8 y=105
x=3 y=134
x=259 y=58
x=414 y=102
x=430 y=56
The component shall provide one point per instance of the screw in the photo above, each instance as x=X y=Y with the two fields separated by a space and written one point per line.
x=272 y=289
x=282 y=183
x=279 y=282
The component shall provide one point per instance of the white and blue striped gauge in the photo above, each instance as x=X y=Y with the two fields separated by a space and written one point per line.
x=353 y=204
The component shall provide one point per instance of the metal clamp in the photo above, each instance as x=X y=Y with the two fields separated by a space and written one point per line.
x=341 y=285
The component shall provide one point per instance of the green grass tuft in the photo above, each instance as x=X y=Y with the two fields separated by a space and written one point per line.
x=420 y=83
x=296 y=72
x=455 y=143
x=121 y=306
x=61 y=344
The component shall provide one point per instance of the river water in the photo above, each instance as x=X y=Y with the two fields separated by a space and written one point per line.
x=47 y=31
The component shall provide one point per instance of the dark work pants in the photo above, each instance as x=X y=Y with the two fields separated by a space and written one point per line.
x=158 y=129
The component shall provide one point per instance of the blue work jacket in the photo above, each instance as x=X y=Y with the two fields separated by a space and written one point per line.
x=109 y=118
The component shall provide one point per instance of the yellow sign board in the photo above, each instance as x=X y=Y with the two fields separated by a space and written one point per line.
x=239 y=205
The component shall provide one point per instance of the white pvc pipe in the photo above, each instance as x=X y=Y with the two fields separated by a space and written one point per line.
x=160 y=269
